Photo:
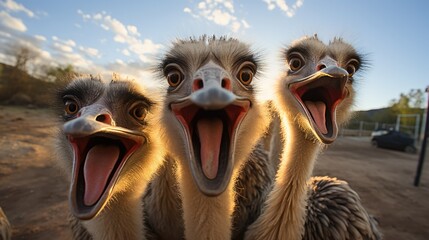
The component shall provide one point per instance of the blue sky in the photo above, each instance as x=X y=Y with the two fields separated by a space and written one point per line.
x=128 y=36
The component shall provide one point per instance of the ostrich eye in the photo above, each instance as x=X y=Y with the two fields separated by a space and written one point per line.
x=351 y=70
x=245 y=75
x=174 y=78
x=139 y=112
x=296 y=63
x=352 y=67
x=71 y=107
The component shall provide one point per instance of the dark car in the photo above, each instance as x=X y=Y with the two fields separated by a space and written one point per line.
x=394 y=140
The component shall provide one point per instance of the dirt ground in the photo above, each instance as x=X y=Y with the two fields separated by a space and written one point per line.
x=33 y=192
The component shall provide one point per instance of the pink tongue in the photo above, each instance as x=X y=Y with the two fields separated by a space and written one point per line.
x=99 y=163
x=318 y=111
x=210 y=132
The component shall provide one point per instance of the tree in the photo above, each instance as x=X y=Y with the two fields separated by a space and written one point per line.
x=61 y=75
x=417 y=98
x=23 y=55
x=410 y=103
x=414 y=99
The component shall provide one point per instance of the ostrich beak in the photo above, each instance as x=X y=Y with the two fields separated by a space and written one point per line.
x=101 y=151
x=211 y=117
x=318 y=96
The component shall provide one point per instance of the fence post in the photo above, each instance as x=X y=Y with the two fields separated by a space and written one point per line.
x=398 y=122
x=360 y=128
x=416 y=129
x=422 y=134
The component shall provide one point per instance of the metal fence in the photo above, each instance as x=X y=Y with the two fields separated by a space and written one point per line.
x=364 y=129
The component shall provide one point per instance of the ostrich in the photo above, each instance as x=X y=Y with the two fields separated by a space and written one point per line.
x=109 y=146
x=213 y=122
x=5 y=229
x=313 y=97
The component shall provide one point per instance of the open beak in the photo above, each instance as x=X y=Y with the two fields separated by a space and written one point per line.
x=101 y=151
x=319 y=95
x=211 y=117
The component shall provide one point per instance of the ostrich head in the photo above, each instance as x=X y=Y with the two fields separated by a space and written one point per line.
x=106 y=142
x=319 y=85
x=210 y=113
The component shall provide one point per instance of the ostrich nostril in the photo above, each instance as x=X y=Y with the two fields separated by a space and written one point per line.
x=320 y=67
x=198 y=84
x=104 y=118
x=226 y=83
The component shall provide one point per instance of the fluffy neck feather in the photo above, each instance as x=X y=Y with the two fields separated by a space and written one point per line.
x=284 y=214
x=121 y=219
x=205 y=217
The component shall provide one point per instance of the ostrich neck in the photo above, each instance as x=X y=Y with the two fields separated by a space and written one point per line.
x=284 y=214
x=205 y=217
x=298 y=159
x=120 y=219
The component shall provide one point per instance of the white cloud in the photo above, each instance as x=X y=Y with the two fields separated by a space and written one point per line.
x=126 y=52
x=220 y=12
x=147 y=46
x=133 y=30
x=62 y=47
x=221 y=18
x=119 y=39
x=188 y=10
x=5 y=34
x=126 y=34
x=84 y=16
x=45 y=54
x=229 y=6
x=78 y=60
x=16 y=7
x=98 y=16
x=65 y=53
x=12 y=22
x=283 y=6
x=245 y=24
x=271 y=6
x=115 y=25
x=90 y=52
x=104 y=27
x=202 y=5
x=93 y=52
x=133 y=70
x=40 y=37
x=235 y=26
x=69 y=43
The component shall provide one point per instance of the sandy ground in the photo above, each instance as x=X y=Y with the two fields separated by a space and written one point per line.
x=33 y=192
